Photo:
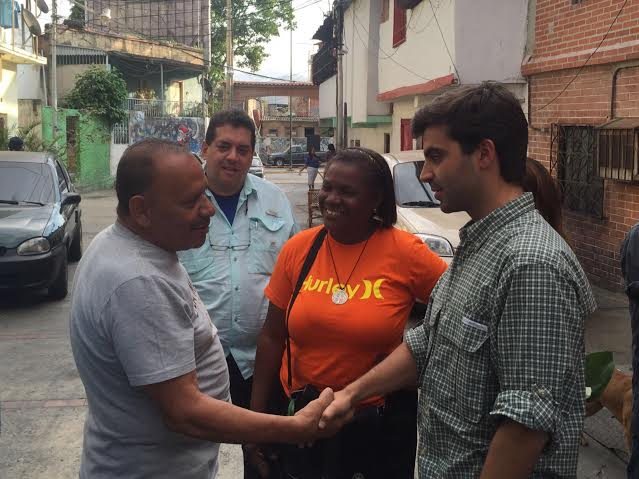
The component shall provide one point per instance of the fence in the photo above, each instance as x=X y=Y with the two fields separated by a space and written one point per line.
x=164 y=108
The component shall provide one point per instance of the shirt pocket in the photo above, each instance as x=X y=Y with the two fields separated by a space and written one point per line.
x=204 y=263
x=268 y=235
x=461 y=366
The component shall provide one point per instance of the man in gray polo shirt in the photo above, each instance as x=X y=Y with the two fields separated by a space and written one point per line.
x=148 y=354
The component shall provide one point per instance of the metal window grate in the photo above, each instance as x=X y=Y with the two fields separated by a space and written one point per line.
x=617 y=155
x=120 y=134
x=572 y=153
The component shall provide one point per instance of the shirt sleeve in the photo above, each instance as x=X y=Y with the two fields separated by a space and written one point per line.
x=151 y=330
x=425 y=269
x=280 y=286
x=417 y=341
x=630 y=263
x=538 y=343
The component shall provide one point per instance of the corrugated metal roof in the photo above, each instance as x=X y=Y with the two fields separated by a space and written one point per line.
x=66 y=50
x=620 y=124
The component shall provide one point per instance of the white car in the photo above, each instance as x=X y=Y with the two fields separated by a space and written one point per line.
x=418 y=211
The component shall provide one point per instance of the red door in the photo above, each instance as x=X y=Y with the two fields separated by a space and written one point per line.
x=406 y=135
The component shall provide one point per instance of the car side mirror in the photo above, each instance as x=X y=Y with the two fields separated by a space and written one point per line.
x=70 y=199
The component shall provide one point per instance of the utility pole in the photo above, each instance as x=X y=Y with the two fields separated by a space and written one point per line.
x=54 y=69
x=339 y=107
x=290 y=97
x=207 y=54
x=229 y=55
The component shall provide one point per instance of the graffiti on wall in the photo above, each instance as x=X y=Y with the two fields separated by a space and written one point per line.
x=187 y=131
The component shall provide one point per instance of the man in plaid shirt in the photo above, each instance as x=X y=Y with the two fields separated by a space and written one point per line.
x=500 y=355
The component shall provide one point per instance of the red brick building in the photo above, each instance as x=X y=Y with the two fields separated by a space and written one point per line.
x=583 y=73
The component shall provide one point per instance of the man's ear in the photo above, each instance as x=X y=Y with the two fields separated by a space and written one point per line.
x=487 y=154
x=205 y=148
x=138 y=211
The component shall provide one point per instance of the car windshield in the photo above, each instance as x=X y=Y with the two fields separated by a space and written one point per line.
x=409 y=190
x=22 y=182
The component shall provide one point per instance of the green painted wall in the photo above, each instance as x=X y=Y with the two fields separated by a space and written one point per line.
x=90 y=164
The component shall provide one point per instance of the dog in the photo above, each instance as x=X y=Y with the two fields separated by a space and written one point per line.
x=617 y=398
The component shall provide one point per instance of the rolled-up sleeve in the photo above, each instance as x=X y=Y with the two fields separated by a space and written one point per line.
x=539 y=349
x=417 y=341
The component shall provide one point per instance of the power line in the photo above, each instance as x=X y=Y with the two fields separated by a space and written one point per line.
x=444 y=40
x=587 y=60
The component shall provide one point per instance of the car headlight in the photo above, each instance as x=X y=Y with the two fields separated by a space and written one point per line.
x=438 y=244
x=34 y=246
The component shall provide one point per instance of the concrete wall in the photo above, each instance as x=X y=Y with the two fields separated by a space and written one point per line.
x=491 y=38
x=29 y=79
x=327 y=96
x=372 y=138
x=402 y=109
x=9 y=94
x=423 y=52
x=115 y=154
x=67 y=75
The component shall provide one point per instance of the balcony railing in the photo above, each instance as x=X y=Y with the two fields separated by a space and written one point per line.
x=162 y=108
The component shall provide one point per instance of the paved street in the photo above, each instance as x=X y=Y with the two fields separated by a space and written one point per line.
x=43 y=403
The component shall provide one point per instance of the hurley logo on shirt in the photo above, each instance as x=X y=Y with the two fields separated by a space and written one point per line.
x=364 y=290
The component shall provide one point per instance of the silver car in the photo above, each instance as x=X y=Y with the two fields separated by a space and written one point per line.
x=257 y=168
x=418 y=210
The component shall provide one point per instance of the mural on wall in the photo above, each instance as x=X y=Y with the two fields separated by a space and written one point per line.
x=187 y=131
x=268 y=145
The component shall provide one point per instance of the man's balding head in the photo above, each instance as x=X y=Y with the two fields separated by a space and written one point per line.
x=160 y=187
x=136 y=169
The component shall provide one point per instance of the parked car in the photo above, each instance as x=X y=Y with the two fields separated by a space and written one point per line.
x=257 y=168
x=418 y=210
x=40 y=223
x=299 y=155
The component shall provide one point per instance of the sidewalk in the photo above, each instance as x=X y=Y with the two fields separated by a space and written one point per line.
x=608 y=329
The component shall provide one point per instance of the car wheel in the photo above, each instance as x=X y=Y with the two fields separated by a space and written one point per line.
x=59 y=288
x=279 y=162
x=75 y=250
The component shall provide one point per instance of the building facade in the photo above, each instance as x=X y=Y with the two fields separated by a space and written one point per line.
x=584 y=113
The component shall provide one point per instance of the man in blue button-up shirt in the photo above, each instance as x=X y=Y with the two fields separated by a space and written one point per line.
x=231 y=269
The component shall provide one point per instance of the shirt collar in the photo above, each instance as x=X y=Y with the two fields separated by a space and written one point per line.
x=247 y=189
x=476 y=232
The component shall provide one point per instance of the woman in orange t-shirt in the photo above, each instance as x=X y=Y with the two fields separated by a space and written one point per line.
x=350 y=313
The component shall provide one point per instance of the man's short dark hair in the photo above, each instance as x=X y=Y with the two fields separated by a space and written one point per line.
x=379 y=177
x=136 y=168
x=235 y=118
x=16 y=143
x=475 y=113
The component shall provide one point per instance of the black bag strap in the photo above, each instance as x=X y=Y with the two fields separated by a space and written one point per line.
x=306 y=267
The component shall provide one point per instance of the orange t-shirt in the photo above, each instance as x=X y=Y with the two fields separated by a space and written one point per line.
x=333 y=345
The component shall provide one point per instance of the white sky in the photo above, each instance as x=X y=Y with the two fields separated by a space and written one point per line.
x=276 y=64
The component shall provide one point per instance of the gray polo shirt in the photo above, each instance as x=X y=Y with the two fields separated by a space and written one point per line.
x=137 y=320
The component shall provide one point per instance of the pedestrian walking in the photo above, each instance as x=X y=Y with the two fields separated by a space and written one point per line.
x=311 y=164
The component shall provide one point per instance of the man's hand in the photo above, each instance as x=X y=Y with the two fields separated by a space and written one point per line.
x=339 y=412
x=308 y=418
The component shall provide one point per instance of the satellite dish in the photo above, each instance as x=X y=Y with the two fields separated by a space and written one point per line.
x=42 y=5
x=32 y=22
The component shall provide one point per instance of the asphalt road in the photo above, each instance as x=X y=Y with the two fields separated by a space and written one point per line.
x=42 y=400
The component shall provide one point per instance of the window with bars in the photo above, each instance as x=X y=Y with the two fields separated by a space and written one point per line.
x=617 y=150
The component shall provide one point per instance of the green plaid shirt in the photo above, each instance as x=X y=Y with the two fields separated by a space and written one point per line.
x=503 y=337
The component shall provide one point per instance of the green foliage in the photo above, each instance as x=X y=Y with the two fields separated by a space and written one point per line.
x=255 y=22
x=77 y=11
x=599 y=369
x=102 y=93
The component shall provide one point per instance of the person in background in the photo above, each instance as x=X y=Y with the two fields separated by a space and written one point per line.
x=232 y=267
x=630 y=272
x=150 y=359
x=330 y=153
x=500 y=355
x=350 y=313
x=546 y=194
x=311 y=164
x=16 y=144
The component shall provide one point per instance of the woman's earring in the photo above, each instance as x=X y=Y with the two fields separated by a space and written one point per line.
x=376 y=216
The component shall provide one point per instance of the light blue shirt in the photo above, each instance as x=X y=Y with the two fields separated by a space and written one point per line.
x=234 y=265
